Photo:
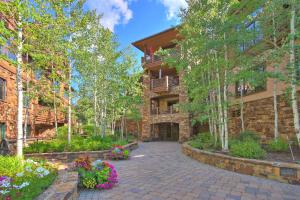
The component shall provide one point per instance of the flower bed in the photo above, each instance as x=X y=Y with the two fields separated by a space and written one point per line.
x=118 y=153
x=24 y=179
x=96 y=175
x=78 y=143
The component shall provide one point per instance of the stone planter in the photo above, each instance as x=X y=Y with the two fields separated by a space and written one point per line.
x=279 y=171
x=71 y=156
x=64 y=187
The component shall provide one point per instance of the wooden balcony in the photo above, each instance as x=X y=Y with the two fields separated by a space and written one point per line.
x=45 y=115
x=164 y=84
x=151 y=61
x=170 y=110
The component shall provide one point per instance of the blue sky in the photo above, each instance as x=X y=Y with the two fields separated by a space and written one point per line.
x=132 y=20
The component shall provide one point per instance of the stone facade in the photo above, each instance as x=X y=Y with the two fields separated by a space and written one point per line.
x=148 y=119
x=259 y=117
x=282 y=172
x=41 y=118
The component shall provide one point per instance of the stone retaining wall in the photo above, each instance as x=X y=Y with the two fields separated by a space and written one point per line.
x=282 y=172
x=64 y=187
x=71 y=156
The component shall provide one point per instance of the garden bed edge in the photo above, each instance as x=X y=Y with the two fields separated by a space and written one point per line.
x=279 y=171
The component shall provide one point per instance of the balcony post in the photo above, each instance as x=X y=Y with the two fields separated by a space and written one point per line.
x=167 y=82
x=151 y=84
x=160 y=73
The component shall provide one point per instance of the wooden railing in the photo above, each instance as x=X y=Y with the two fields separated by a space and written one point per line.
x=164 y=84
x=45 y=115
x=170 y=110
x=151 y=59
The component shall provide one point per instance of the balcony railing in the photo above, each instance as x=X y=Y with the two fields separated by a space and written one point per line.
x=170 y=110
x=164 y=84
x=151 y=59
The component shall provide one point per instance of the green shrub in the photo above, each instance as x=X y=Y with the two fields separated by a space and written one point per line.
x=62 y=132
x=78 y=143
x=203 y=141
x=248 y=135
x=9 y=166
x=278 y=145
x=88 y=129
x=247 y=149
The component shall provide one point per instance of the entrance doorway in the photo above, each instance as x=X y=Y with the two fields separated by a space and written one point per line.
x=165 y=132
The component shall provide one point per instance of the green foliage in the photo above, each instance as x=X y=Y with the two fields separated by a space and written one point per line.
x=247 y=149
x=88 y=129
x=78 y=143
x=248 y=135
x=89 y=182
x=278 y=145
x=9 y=166
x=12 y=167
x=203 y=141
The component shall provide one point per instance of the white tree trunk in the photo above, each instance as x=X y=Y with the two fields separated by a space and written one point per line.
x=276 y=133
x=225 y=90
x=293 y=77
x=54 y=104
x=220 y=110
x=55 y=112
x=20 y=89
x=275 y=90
x=242 y=106
x=70 y=104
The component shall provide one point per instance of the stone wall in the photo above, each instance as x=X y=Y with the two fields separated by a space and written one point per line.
x=282 y=172
x=259 y=117
x=64 y=187
x=71 y=156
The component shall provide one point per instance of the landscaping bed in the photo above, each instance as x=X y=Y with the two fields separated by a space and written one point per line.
x=247 y=145
x=24 y=180
x=71 y=156
x=248 y=156
x=279 y=171
x=96 y=175
x=78 y=143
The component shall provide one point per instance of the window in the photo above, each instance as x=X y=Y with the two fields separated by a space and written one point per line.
x=2 y=89
x=26 y=100
x=28 y=130
x=253 y=28
x=255 y=83
x=2 y=130
x=236 y=113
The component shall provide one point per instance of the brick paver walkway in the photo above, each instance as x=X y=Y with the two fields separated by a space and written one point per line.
x=159 y=171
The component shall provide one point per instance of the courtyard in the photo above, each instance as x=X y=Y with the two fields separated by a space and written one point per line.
x=159 y=171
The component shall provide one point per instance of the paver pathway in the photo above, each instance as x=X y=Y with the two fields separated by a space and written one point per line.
x=159 y=171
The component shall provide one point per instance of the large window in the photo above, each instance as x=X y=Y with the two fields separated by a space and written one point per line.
x=253 y=31
x=2 y=89
x=255 y=82
x=2 y=130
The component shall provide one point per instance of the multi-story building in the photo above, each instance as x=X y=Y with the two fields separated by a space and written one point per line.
x=38 y=116
x=163 y=91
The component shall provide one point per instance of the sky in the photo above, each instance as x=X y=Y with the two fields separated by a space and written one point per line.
x=132 y=20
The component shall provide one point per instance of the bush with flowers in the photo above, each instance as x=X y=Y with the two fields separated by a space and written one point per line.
x=96 y=175
x=118 y=153
x=24 y=179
